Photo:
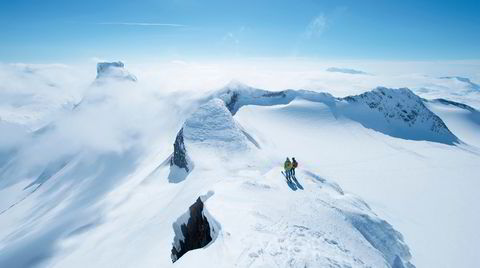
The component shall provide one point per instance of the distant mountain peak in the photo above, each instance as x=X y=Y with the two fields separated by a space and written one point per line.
x=345 y=70
x=115 y=70
x=404 y=113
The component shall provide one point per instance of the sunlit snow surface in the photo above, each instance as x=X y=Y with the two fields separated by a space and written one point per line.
x=84 y=173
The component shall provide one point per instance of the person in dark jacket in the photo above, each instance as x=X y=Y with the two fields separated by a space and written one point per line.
x=294 y=166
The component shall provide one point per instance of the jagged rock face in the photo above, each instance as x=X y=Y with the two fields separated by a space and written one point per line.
x=401 y=109
x=236 y=95
x=179 y=157
x=114 y=70
x=195 y=233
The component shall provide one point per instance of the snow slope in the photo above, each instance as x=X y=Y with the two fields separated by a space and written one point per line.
x=107 y=191
x=32 y=95
x=406 y=115
x=426 y=189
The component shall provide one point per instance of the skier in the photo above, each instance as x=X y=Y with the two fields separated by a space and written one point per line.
x=294 y=166
x=288 y=168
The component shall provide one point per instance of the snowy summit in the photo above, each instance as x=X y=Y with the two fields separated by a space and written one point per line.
x=113 y=70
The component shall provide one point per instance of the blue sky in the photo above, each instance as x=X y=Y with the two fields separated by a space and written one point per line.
x=59 y=30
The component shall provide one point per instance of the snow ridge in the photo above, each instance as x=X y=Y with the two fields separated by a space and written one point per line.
x=194 y=229
x=405 y=114
x=395 y=112
x=212 y=125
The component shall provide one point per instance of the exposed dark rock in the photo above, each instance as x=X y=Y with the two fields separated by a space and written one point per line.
x=275 y=94
x=194 y=234
x=233 y=100
x=115 y=70
x=179 y=157
x=457 y=104
x=102 y=67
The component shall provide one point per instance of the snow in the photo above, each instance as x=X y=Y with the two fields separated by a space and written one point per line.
x=399 y=113
x=96 y=188
x=416 y=185
x=113 y=70
x=212 y=125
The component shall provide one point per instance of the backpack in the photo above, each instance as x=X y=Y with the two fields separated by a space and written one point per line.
x=294 y=164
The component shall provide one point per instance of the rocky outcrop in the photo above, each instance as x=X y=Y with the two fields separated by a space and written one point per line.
x=194 y=233
x=383 y=237
x=179 y=157
x=236 y=95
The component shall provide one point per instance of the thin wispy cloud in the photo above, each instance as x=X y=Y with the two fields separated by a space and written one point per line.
x=142 y=24
x=316 y=27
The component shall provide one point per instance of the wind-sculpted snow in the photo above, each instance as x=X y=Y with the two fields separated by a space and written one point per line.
x=398 y=113
x=236 y=95
x=381 y=235
x=114 y=70
x=86 y=178
x=212 y=125
x=325 y=226
x=180 y=162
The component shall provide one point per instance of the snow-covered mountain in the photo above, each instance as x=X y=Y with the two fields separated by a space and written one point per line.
x=31 y=95
x=468 y=84
x=399 y=113
x=113 y=70
x=105 y=174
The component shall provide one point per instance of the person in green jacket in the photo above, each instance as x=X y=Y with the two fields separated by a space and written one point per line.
x=288 y=168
